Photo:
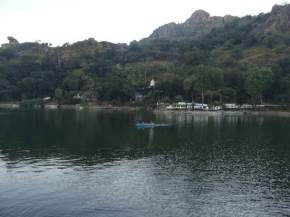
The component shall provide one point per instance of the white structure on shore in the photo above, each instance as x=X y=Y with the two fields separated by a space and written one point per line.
x=200 y=106
x=206 y=107
x=152 y=83
x=231 y=106
x=187 y=106
x=180 y=106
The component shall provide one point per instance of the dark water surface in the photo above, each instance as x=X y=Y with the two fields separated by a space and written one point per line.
x=80 y=164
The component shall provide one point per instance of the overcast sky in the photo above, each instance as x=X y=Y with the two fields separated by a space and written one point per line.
x=60 y=21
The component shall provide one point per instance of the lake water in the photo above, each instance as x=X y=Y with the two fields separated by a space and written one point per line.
x=89 y=163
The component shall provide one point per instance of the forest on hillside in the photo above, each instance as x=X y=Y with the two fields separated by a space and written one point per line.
x=243 y=61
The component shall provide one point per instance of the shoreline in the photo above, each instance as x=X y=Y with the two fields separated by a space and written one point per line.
x=227 y=112
x=78 y=107
x=16 y=105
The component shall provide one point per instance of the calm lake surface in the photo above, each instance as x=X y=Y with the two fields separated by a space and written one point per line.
x=96 y=163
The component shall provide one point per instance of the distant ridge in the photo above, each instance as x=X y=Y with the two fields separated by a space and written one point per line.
x=201 y=24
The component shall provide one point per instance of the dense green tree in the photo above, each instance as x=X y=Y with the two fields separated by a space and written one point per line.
x=257 y=81
x=116 y=88
x=58 y=93
x=170 y=85
x=205 y=79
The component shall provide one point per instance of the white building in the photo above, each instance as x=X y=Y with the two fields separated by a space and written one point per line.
x=247 y=106
x=180 y=106
x=231 y=106
x=200 y=106
x=152 y=83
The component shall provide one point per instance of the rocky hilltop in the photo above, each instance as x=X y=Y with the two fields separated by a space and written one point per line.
x=201 y=23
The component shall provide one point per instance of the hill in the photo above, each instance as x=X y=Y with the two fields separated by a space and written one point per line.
x=230 y=58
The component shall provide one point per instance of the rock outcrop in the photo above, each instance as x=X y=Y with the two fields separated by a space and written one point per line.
x=201 y=24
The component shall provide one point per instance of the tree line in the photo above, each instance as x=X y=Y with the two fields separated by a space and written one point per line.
x=213 y=70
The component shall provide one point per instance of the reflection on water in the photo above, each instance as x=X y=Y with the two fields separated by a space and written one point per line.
x=67 y=163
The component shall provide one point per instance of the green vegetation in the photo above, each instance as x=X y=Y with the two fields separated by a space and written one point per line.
x=238 y=62
x=257 y=82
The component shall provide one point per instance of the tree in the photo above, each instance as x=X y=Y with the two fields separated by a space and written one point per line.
x=257 y=81
x=204 y=79
x=27 y=87
x=78 y=82
x=117 y=88
x=170 y=85
x=58 y=93
x=178 y=98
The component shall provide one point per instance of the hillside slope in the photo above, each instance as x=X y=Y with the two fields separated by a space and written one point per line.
x=235 y=59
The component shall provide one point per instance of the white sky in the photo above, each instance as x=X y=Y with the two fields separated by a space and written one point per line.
x=60 y=21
